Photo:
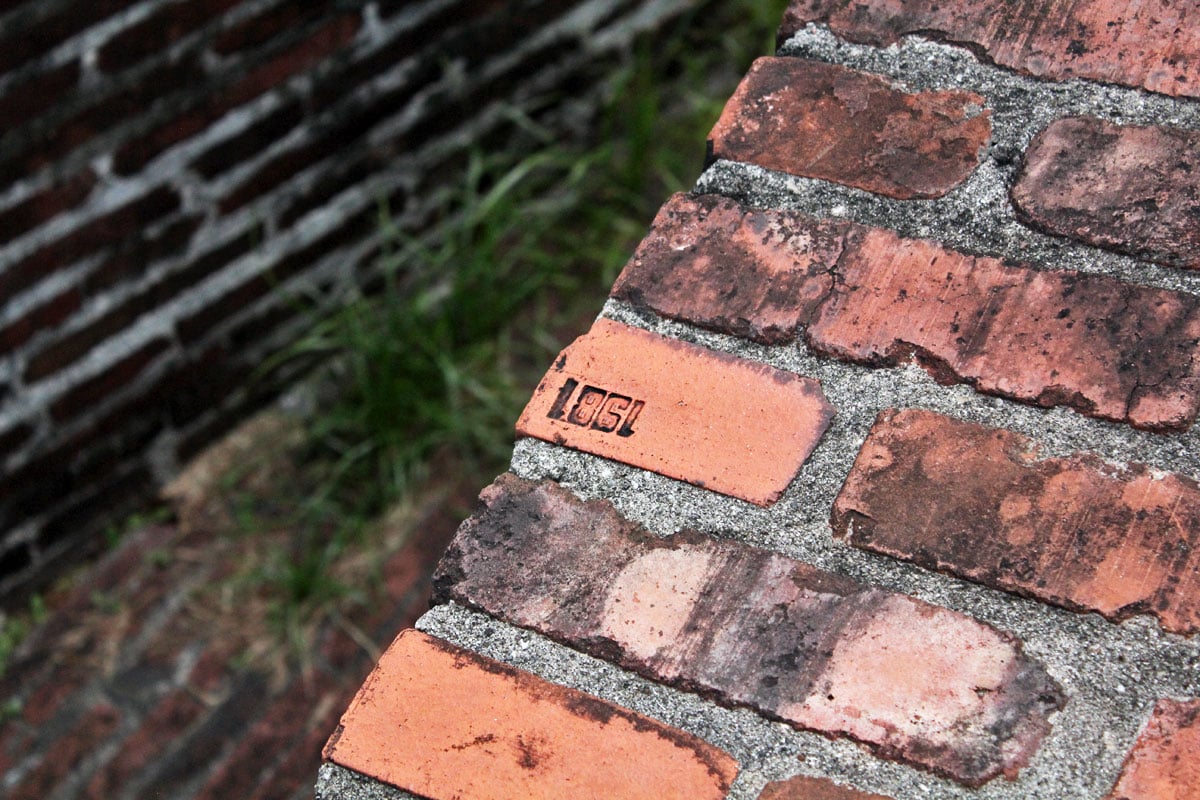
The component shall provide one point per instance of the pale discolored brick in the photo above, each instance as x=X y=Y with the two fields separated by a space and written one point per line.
x=803 y=787
x=1153 y=45
x=830 y=122
x=1096 y=344
x=714 y=420
x=1127 y=188
x=445 y=723
x=1075 y=531
x=1165 y=762
x=752 y=628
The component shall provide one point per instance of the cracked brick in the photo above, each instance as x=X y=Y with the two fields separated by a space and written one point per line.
x=445 y=723
x=1126 y=188
x=1103 y=347
x=1076 y=532
x=680 y=410
x=1152 y=45
x=748 y=627
x=837 y=124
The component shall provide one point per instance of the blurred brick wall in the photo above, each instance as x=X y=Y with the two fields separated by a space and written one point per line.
x=173 y=174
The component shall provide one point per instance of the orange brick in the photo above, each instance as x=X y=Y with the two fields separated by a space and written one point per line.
x=689 y=413
x=1165 y=762
x=444 y=723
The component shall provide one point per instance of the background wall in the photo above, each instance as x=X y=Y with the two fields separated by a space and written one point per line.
x=174 y=175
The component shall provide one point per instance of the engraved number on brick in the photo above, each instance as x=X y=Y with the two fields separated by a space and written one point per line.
x=596 y=408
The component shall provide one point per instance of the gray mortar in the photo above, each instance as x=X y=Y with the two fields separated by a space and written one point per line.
x=1112 y=674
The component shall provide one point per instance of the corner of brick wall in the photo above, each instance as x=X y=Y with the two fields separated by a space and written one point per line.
x=174 y=174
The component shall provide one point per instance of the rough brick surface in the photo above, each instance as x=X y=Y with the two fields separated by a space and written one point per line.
x=687 y=412
x=1153 y=45
x=445 y=723
x=1072 y=531
x=805 y=788
x=752 y=628
x=1130 y=189
x=1093 y=343
x=825 y=121
x=1165 y=762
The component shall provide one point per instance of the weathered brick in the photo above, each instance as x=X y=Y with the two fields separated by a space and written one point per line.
x=825 y=121
x=93 y=390
x=26 y=101
x=47 y=315
x=443 y=722
x=233 y=151
x=1096 y=344
x=26 y=43
x=1163 y=763
x=45 y=205
x=1090 y=536
x=805 y=788
x=134 y=256
x=167 y=722
x=104 y=230
x=66 y=753
x=158 y=31
x=267 y=24
x=1153 y=45
x=1130 y=189
x=680 y=410
x=324 y=41
x=753 y=628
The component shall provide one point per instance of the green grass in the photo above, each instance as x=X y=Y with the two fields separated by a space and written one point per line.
x=434 y=367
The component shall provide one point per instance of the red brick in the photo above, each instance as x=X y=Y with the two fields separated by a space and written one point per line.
x=1153 y=45
x=1129 y=189
x=94 y=390
x=1164 y=764
x=45 y=205
x=825 y=121
x=158 y=31
x=1103 y=347
x=326 y=40
x=43 y=36
x=135 y=255
x=27 y=100
x=167 y=722
x=748 y=627
x=298 y=769
x=266 y=25
x=48 y=315
x=445 y=723
x=1075 y=531
x=680 y=410
x=107 y=229
x=66 y=753
x=232 y=152
x=805 y=788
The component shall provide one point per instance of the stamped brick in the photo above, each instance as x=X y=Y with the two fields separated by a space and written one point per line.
x=825 y=121
x=1165 y=762
x=1076 y=531
x=803 y=787
x=752 y=628
x=1103 y=347
x=710 y=419
x=445 y=723
x=1151 y=45
x=1127 y=188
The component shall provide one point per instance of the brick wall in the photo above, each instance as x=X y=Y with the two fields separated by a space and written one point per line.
x=878 y=476
x=174 y=173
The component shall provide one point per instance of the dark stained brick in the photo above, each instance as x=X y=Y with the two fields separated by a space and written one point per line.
x=1163 y=763
x=1073 y=531
x=24 y=44
x=1130 y=189
x=681 y=410
x=1153 y=45
x=27 y=100
x=445 y=723
x=825 y=121
x=45 y=205
x=1093 y=343
x=47 y=315
x=804 y=788
x=233 y=151
x=267 y=24
x=158 y=31
x=95 y=389
x=752 y=628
